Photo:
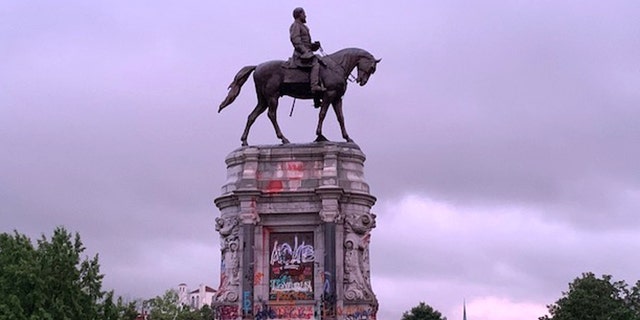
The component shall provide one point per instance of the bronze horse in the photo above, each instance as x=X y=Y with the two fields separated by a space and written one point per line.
x=269 y=78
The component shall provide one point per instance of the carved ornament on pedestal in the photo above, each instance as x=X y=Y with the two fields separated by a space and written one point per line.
x=357 y=280
x=229 y=289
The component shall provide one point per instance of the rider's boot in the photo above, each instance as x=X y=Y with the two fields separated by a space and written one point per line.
x=314 y=78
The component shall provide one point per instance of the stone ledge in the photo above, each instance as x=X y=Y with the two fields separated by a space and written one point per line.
x=277 y=169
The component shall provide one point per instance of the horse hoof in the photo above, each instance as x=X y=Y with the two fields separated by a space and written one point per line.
x=350 y=140
x=244 y=143
x=285 y=141
x=321 y=138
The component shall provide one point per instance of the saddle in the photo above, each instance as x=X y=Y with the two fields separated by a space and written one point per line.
x=297 y=73
x=299 y=76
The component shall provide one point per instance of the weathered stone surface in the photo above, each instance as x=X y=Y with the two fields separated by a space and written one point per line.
x=302 y=214
x=296 y=167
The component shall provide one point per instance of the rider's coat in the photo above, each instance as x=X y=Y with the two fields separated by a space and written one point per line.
x=302 y=47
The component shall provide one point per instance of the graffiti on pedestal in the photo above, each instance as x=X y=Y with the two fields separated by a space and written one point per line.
x=288 y=312
x=286 y=177
x=357 y=312
x=230 y=262
x=246 y=301
x=357 y=278
x=291 y=266
x=226 y=312
x=293 y=312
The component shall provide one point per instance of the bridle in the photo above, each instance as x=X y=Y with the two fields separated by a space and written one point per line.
x=351 y=78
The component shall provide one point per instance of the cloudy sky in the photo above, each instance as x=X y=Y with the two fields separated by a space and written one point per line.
x=502 y=138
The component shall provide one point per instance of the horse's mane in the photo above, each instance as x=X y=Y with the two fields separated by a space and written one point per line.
x=342 y=54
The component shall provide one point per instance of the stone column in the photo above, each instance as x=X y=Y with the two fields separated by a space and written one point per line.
x=248 y=218
x=329 y=214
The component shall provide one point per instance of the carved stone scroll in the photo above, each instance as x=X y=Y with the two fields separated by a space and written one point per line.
x=357 y=279
x=229 y=290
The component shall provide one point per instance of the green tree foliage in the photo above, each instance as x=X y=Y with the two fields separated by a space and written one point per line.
x=167 y=307
x=422 y=312
x=119 y=310
x=164 y=307
x=592 y=298
x=53 y=280
x=204 y=313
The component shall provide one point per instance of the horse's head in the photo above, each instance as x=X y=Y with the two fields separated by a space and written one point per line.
x=366 y=67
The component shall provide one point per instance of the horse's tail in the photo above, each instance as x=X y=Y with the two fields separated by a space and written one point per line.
x=235 y=86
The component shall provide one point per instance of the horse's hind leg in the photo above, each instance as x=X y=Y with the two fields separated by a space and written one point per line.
x=257 y=111
x=273 y=108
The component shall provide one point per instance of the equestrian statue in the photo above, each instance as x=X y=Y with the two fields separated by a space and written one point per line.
x=304 y=76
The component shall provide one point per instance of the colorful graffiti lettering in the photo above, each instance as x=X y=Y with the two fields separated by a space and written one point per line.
x=291 y=266
x=326 y=283
x=227 y=312
x=274 y=186
x=286 y=296
x=285 y=283
x=257 y=278
x=263 y=312
x=293 y=312
x=291 y=257
x=327 y=303
x=285 y=288
x=357 y=313
x=289 y=312
x=288 y=175
x=246 y=302
x=295 y=167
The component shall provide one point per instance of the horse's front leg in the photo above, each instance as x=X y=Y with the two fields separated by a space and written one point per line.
x=273 y=108
x=337 y=107
x=323 y=113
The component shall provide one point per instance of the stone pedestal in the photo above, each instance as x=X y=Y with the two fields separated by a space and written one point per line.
x=295 y=226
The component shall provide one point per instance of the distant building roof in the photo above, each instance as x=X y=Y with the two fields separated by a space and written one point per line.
x=206 y=289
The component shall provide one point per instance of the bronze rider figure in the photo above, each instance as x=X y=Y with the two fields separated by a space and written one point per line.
x=303 y=48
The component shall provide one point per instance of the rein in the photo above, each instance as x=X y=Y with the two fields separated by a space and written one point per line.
x=351 y=78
